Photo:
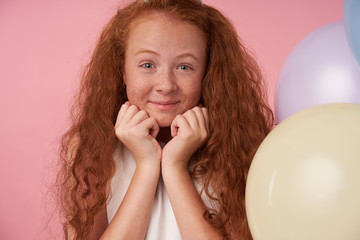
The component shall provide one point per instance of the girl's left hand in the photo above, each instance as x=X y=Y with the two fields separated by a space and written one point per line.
x=189 y=132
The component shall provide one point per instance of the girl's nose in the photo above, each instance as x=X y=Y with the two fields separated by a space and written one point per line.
x=166 y=82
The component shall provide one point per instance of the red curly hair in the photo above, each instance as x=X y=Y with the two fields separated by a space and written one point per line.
x=232 y=90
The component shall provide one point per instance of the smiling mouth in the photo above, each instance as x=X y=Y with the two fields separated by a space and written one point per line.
x=164 y=105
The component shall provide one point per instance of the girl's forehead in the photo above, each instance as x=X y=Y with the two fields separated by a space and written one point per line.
x=154 y=15
x=161 y=25
x=160 y=16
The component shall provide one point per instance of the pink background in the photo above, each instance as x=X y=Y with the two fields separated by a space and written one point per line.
x=43 y=47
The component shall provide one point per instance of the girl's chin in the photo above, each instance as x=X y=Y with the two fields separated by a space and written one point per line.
x=165 y=121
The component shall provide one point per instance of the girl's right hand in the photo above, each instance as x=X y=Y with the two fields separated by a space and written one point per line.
x=137 y=131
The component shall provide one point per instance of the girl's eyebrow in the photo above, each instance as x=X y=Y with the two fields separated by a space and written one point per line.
x=186 y=54
x=142 y=50
x=182 y=55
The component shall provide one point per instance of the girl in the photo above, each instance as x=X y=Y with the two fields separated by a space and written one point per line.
x=169 y=115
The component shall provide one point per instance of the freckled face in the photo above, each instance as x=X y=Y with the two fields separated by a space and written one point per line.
x=165 y=62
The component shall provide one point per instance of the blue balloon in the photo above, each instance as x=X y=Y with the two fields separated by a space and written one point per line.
x=351 y=12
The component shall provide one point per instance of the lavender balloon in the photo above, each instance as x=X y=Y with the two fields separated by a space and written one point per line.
x=320 y=69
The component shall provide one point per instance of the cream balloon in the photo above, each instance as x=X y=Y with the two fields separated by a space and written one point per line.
x=304 y=181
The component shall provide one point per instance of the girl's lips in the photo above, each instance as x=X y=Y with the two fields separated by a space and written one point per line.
x=164 y=105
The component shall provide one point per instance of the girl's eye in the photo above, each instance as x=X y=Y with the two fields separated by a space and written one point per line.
x=147 y=65
x=185 y=67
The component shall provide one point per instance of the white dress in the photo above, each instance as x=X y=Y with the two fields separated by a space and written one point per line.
x=162 y=223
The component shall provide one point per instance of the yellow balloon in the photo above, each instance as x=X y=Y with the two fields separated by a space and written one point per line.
x=304 y=181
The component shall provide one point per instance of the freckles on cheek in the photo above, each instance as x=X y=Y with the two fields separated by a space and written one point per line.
x=137 y=96
x=194 y=99
x=132 y=96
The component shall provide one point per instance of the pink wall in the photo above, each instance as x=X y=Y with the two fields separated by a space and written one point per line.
x=44 y=45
